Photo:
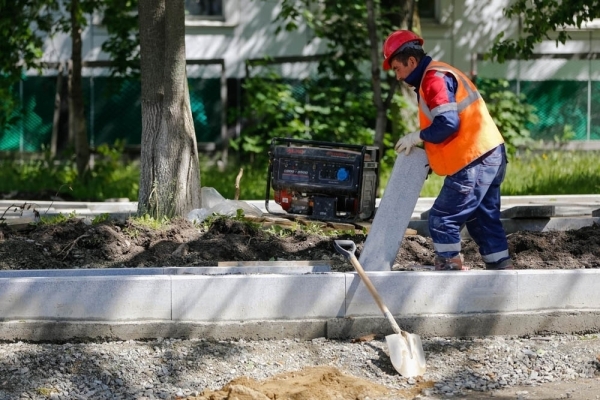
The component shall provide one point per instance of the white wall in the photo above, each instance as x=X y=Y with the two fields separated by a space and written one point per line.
x=465 y=27
x=470 y=26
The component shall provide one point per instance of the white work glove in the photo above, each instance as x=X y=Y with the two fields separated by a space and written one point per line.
x=408 y=142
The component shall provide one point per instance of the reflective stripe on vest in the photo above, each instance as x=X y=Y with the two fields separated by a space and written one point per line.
x=477 y=133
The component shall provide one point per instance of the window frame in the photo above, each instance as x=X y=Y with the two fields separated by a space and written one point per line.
x=229 y=18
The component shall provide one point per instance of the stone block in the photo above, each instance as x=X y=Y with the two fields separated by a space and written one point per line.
x=111 y=298
x=255 y=297
x=420 y=293
x=395 y=211
x=537 y=211
x=558 y=290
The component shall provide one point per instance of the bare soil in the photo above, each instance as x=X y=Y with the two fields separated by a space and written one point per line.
x=115 y=244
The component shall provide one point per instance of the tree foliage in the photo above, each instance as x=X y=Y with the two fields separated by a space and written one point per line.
x=338 y=104
x=510 y=112
x=120 y=17
x=21 y=22
x=25 y=24
x=538 y=19
x=311 y=109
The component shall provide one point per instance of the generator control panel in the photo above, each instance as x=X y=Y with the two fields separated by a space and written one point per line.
x=323 y=180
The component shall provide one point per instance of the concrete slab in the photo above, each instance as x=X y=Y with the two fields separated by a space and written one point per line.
x=558 y=290
x=249 y=270
x=546 y=211
x=254 y=297
x=477 y=324
x=112 y=298
x=547 y=225
x=139 y=330
x=52 y=273
x=257 y=269
x=304 y=306
x=416 y=293
x=516 y=225
x=395 y=211
x=537 y=211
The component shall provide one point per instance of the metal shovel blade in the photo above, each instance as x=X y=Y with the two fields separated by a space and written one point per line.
x=406 y=353
x=405 y=349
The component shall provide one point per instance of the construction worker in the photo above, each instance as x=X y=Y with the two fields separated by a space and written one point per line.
x=462 y=143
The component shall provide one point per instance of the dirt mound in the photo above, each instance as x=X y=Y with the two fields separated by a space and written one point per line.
x=75 y=244
x=309 y=383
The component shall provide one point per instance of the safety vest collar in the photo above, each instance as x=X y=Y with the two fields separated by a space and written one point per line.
x=472 y=94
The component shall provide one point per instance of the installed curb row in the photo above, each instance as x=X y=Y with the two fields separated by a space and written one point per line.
x=126 y=305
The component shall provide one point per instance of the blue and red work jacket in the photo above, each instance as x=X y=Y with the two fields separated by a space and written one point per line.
x=456 y=126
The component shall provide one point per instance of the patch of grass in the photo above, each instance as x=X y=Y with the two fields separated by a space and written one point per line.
x=132 y=232
x=252 y=185
x=150 y=222
x=111 y=177
x=100 y=218
x=535 y=173
x=57 y=219
x=279 y=231
x=555 y=172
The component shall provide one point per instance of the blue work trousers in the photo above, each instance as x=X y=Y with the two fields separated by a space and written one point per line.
x=472 y=197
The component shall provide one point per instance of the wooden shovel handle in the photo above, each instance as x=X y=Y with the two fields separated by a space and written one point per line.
x=340 y=246
x=386 y=312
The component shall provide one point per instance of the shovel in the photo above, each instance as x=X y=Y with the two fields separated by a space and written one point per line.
x=406 y=349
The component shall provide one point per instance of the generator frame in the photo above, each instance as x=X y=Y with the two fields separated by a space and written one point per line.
x=365 y=151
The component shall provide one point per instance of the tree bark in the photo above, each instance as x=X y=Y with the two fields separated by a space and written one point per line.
x=380 y=107
x=410 y=21
x=77 y=126
x=170 y=174
x=406 y=18
x=56 y=116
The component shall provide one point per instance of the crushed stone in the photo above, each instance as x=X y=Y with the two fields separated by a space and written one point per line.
x=191 y=368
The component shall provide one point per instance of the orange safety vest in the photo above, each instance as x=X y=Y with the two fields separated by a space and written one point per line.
x=476 y=135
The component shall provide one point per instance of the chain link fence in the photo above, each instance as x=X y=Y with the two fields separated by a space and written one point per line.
x=112 y=107
x=567 y=104
x=566 y=95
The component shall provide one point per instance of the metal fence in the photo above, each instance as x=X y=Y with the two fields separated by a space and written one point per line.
x=568 y=105
x=112 y=107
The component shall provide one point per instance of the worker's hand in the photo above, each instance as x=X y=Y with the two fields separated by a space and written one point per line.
x=406 y=143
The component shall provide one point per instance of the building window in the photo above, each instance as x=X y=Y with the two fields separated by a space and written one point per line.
x=204 y=9
x=427 y=9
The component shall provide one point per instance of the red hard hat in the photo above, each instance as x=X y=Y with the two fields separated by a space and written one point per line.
x=396 y=40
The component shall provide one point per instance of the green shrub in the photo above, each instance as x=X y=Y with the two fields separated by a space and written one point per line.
x=111 y=177
x=510 y=112
x=311 y=109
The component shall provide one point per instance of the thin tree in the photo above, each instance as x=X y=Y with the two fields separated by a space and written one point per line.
x=77 y=126
x=354 y=31
x=403 y=16
x=170 y=174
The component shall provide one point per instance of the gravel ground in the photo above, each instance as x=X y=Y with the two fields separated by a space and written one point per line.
x=566 y=366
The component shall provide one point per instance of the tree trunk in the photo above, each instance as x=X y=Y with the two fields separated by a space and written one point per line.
x=410 y=20
x=56 y=117
x=406 y=18
x=170 y=174
x=381 y=108
x=77 y=127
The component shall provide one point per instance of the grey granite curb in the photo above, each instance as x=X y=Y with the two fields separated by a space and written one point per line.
x=307 y=305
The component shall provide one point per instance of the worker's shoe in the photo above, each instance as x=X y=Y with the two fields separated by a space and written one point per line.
x=449 y=264
x=499 y=266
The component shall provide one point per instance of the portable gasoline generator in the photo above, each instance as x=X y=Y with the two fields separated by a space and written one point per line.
x=323 y=180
